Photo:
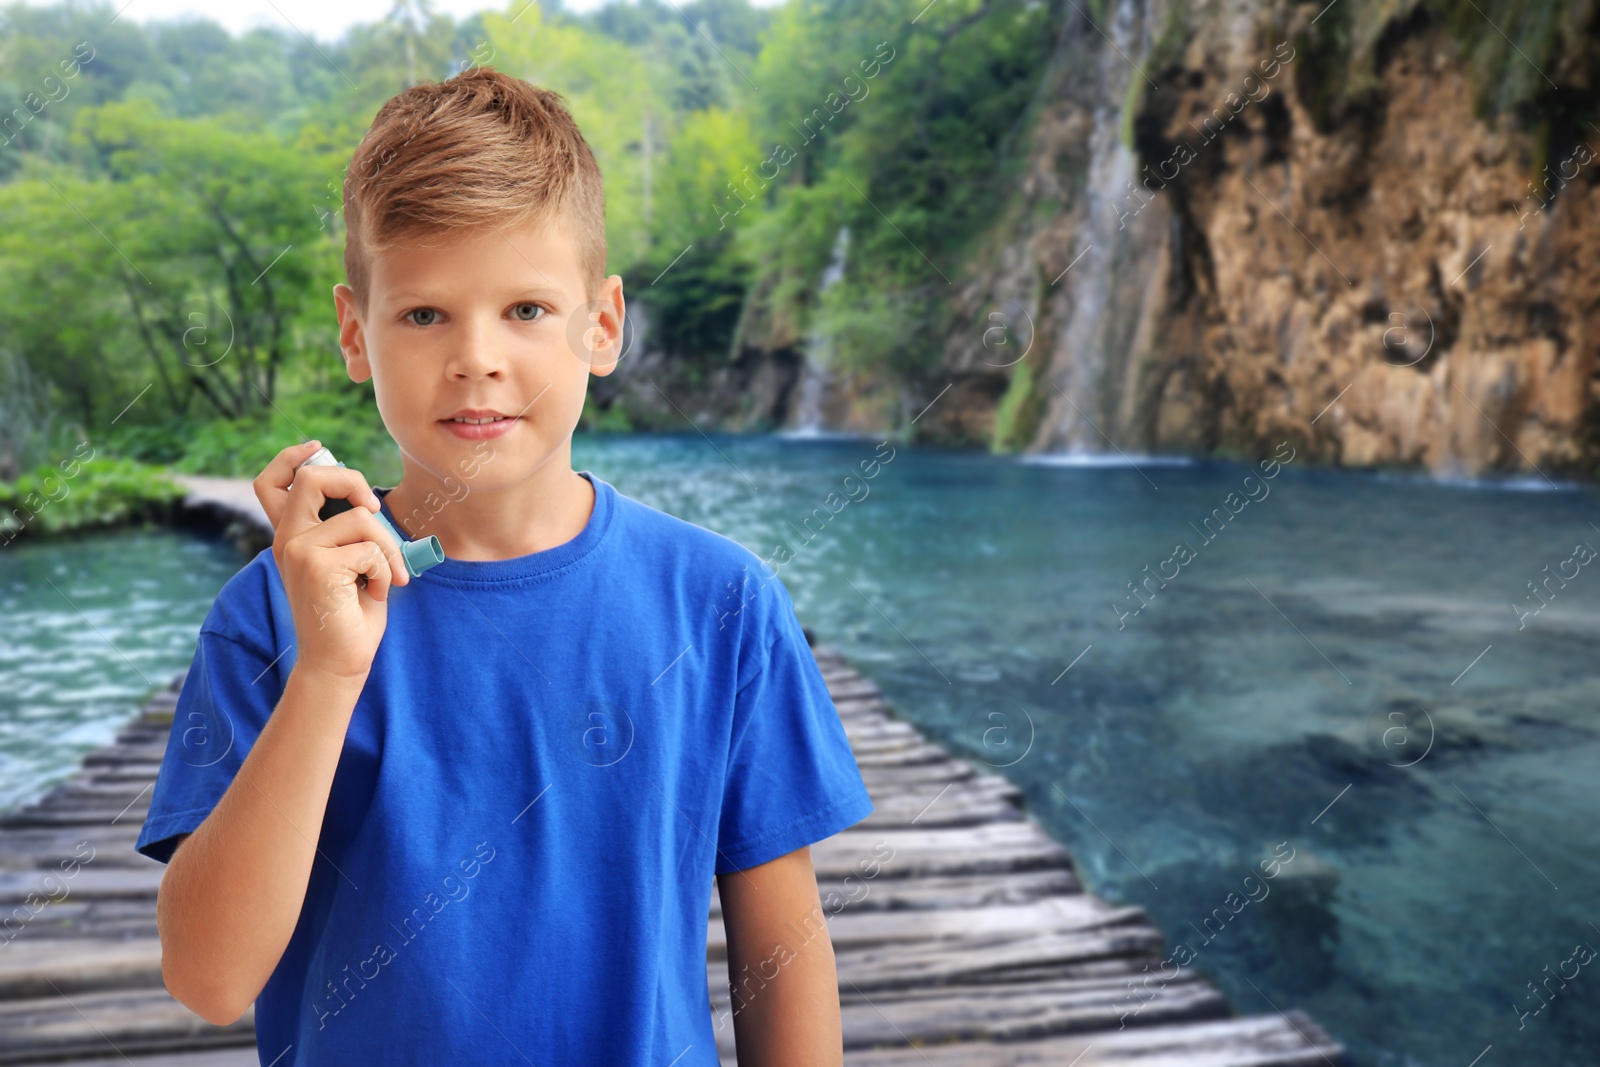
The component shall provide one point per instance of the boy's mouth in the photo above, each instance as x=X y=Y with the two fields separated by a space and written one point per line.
x=476 y=424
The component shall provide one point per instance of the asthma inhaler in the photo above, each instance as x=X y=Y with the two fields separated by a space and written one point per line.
x=419 y=555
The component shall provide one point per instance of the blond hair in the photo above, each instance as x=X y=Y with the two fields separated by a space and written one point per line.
x=477 y=150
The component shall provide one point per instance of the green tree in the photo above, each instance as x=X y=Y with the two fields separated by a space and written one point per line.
x=195 y=249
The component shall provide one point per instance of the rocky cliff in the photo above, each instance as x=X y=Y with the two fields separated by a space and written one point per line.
x=1371 y=227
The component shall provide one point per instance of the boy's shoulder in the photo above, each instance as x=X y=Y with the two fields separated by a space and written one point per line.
x=696 y=561
x=646 y=528
x=252 y=607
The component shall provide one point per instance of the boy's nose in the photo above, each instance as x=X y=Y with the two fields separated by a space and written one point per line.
x=470 y=367
x=476 y=355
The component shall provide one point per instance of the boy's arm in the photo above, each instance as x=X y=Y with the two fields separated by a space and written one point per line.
x=233 y=891
x=774 y=922
x=232 y=895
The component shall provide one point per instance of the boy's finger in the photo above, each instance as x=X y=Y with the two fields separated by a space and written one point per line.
x=272 y=484
x=353 y=527
x=314 y=485
x=367 y=558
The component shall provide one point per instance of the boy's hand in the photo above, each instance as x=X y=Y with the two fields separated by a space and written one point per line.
x=328 y=567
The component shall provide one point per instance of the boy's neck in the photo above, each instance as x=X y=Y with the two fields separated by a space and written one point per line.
x=548 y=508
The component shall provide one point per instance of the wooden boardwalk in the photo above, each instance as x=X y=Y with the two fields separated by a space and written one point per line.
x=971 y=943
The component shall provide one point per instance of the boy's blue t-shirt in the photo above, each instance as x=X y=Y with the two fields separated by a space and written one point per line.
x=551 y=758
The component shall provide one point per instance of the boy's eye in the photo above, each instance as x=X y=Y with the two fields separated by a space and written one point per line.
x=533 y=312
x=430 y=313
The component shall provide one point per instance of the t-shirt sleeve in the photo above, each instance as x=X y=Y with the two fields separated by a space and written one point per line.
x=223 y=705
x=792 y=778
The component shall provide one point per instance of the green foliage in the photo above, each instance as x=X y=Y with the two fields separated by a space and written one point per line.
x=1132 y=98
x=914 y=166
x=693 y=278
x=76 y=494
x=1165 y=51
x=183 y=265
x=610 y=420
x=1019 y=413
x=158 y=443
x=860 y=329
x=1510 y=45
x=1335 y=67
x=1516 y=52
x=346 y=420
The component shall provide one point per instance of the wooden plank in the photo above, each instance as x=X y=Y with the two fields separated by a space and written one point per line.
x=1289 y=1040
x=936 y=774
x=858 y=688
x=32 y=969
x=236 y=1056
x=115 y=755
x=906 y=810
x=899 y=755
x=87 y=883
x=989 y=960
x=1007 y=1013
x=72 y=1025
x=929 y=797
x=1052 y=915
x=75 y=815
x=869 y=736
x=46 y=847
x=932 y=892
x=906 y=853
x=130 y=771
x=104 y=919
x=87 y=786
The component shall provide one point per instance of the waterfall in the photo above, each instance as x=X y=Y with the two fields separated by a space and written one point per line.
x=815 y=374
x=1108 y=296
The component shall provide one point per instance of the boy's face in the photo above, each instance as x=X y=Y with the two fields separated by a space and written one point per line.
x=494 y=323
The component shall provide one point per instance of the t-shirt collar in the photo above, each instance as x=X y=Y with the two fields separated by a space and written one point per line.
x=534 y=564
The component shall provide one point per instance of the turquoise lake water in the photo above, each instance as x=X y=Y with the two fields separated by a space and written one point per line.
x=1340 y=674
x=90 y=625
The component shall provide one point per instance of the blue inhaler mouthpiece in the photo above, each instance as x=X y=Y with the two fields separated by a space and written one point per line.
x=421 y=554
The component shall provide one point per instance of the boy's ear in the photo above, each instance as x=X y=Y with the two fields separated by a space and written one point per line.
x=352 y=341
x=595 y=330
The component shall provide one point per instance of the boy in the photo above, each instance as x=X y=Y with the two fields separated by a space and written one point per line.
x=473 y=816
